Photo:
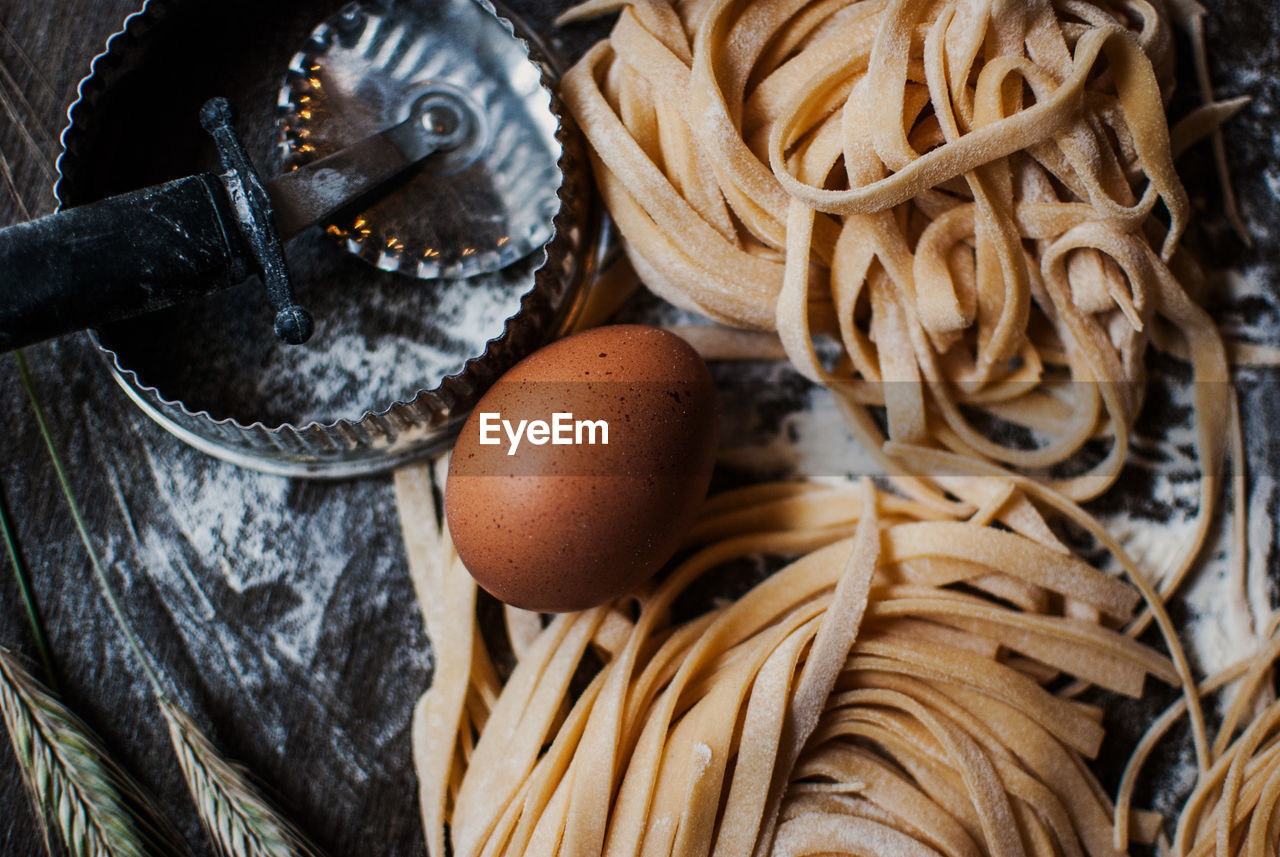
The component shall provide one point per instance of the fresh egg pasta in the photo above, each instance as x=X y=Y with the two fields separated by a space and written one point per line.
x=963 y=194
x=890 y=691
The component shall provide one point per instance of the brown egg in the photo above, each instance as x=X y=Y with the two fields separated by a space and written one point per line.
x=547 y=515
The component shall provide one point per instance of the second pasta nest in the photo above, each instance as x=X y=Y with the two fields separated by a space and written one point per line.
x=976 y=200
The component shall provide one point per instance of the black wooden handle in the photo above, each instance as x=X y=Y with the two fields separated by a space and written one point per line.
x=146 y=250
x=117 y=258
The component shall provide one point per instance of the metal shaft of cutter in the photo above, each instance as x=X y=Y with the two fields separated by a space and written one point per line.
x=314 y=193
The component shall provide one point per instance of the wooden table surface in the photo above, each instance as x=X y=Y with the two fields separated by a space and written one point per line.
x=280 y=610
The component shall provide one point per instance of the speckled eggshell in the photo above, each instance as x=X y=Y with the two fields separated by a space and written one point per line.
x=559 y=527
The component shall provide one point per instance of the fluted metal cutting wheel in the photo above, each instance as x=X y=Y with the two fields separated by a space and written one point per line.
x=470 y=212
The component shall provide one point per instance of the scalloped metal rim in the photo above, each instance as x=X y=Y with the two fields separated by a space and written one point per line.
x=380 y=439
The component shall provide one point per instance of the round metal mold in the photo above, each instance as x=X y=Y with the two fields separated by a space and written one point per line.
x=396 y=362
x=472 y=211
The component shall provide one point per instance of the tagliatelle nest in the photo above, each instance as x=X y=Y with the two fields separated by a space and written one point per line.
x=960 y=191
x=885 y=693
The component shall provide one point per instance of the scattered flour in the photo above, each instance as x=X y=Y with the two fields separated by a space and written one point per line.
x=379 y=338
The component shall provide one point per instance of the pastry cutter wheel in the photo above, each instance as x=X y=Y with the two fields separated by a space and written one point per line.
x=420 y=139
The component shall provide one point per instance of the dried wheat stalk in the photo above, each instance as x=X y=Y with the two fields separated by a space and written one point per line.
x=77 y=789
x=239 y=821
